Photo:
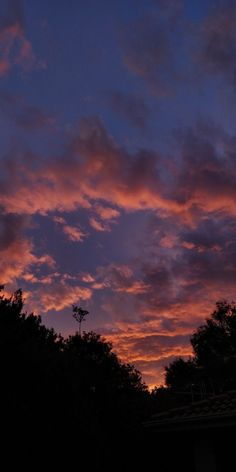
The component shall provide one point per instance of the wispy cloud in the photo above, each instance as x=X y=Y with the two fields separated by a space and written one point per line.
x=74 y=233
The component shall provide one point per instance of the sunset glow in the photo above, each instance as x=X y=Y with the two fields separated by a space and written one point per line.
x=118 y=169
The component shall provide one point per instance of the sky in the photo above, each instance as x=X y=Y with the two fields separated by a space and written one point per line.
x=118 y=167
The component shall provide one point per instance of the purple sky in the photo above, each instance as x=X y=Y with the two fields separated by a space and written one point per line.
x=118 y=170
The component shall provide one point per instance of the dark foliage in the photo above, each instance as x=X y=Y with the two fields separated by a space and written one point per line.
x=212 y=369
x=71 y=397
x=79 y=314
x=180 y=373
x=214 y=346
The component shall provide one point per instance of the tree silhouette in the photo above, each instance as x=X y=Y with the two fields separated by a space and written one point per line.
x=69 y=391
x=180 y=373
x=213 y=365
x=79 y=314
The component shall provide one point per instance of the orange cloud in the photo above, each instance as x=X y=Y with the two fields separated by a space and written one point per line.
x=150 y=352
x=74 y=233
x=64 y=184
x=136 y=287
x=106 y=213
x=57 y=296
x=153 y=327
x=17 y=258
x=98 y=225
x=16 y=250
x=98 y=169
x=88 y=278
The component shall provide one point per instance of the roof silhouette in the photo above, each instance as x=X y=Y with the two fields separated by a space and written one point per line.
x=215 y=411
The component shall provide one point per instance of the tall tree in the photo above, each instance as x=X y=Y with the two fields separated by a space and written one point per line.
x=213 y=365
x=79 y=314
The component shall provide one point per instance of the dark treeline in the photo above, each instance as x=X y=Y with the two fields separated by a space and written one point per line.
x=211 y=369
x=70 y=398
x=73 y=399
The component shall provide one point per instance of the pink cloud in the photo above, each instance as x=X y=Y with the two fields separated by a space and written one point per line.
x=106 y=213
x=147 y=348
x=16 y=250
x=135 y=287
x=98 y=225
x=59 y=219
x=57 y=296
x=33 y=279
x=107 y=217
x=88 y=278
x=74 y=233
x=96 y=169
x=17 y=258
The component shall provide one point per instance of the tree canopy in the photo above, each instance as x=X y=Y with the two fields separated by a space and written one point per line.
x=72 y=390
x=78 y=392
x=212 y=368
